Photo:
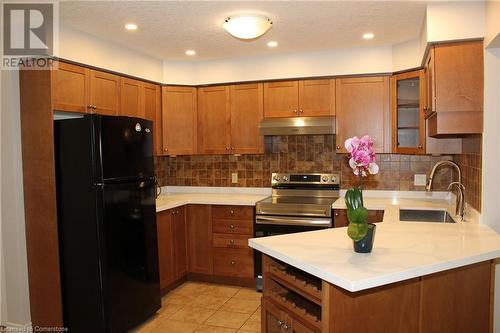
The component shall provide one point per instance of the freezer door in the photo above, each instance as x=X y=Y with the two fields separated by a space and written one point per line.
x=131 y=259
x=126 y=147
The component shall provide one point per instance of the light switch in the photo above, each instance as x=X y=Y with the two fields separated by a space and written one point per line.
x=420 y=180
x=234 y=178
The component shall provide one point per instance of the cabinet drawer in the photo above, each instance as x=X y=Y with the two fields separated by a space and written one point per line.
x=233 y=227
x=231 y=241
x=233 y=262
x=233 y=212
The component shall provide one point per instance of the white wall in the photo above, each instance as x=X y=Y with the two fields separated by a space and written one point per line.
x=334 y=62
x=81 y=47
x=16 y=298
x=407 y=55
x=455 y=20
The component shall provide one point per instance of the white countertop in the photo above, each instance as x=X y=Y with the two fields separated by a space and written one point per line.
x=176 y=196
x=402 y=250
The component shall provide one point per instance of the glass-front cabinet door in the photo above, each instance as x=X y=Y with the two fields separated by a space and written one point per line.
x=408 y=119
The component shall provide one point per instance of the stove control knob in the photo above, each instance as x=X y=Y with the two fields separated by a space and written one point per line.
x=277 y=178
x=285 y=178
x=334 y=179
x=324 y=179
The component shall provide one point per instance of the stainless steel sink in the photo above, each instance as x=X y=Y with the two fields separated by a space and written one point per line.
x=415 y=215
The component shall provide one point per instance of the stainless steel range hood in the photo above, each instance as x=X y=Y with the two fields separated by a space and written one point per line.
x=297 y=126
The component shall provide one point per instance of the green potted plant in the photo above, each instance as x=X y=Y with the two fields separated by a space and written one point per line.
x=362 y=160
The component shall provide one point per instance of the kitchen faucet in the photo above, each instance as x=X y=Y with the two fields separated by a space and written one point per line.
x=460 y=202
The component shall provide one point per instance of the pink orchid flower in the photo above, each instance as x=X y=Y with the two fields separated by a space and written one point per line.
x=362 y=157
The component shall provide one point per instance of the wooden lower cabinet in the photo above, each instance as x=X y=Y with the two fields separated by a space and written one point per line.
x=199 y=226
x=456 y=300
x=233 y=262
x=192 y=243
x=274 y=320
x=340 y=217
x=172 y=245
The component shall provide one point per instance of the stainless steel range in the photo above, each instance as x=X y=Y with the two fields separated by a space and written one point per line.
x=299 y=202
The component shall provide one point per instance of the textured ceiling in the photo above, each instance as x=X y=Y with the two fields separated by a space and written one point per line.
x=168 y=28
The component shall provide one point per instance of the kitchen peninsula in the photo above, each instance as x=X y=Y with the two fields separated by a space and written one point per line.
x=420 y=277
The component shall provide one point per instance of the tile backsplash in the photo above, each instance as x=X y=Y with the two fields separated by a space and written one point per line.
x=471 y=165
x=312 y=153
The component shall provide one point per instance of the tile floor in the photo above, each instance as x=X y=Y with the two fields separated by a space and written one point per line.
x=206 y=308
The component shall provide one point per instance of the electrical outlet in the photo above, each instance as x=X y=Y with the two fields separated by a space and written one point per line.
x=234 y=178
x=420 y=180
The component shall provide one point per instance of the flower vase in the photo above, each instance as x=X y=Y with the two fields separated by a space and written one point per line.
x=365 y=245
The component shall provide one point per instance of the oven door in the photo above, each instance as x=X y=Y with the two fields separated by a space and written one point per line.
x=272 y=225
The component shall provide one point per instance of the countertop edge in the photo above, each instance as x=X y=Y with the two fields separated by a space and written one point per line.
x=354 y=286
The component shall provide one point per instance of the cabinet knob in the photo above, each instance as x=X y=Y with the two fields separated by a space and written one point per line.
x=285 y=327
x=227 y=148
x=294 y=111
x=231 y=226
x=232 y=148
x=165 y=149
x=336 y=214
x=233 y=262
x=338 y=147
x=231 y=212
x=280 y=323
x=301 y=111
x=420 y=147
x=231 y=241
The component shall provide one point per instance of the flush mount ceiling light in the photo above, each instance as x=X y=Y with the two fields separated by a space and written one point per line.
x=272 y=43
x=131 y=26
x=368 y=35
x=247 y=26
x=190 y=52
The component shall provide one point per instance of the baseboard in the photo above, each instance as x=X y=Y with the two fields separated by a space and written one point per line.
x=229 y=280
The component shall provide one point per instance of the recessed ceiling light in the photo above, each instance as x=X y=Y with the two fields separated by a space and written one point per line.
x=131 y=26
x=272 y=43
x=368 y=35
x=190 y=52
x=247 y=26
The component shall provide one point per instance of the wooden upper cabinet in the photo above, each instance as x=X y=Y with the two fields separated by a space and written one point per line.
x=199 y=240
x=180 y=120
x=281 y=99
x=408 y=119
x=455 y=88
x=105 y=93
x=130 y=98
x=214 y=120
x=150 y=106
x=362 y=108
x=246 y=114
x=316 y=98
x=69 y=88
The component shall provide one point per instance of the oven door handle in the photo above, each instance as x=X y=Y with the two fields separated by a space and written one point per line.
x=288 y=220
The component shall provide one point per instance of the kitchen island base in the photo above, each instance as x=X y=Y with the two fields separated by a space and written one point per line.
x=456 y=300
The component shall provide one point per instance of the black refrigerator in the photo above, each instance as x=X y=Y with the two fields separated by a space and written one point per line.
x=106 y=222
